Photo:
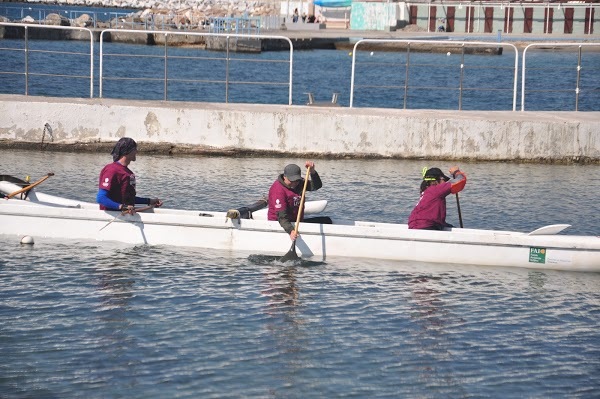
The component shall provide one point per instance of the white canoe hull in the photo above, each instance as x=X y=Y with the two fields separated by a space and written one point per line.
x=317 y=242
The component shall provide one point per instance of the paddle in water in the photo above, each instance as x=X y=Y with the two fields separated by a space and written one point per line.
x=275 y=260
x=291 y=254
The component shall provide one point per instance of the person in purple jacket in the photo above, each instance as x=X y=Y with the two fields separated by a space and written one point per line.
x=285 y=195
x=430 y=211
x=116 y=187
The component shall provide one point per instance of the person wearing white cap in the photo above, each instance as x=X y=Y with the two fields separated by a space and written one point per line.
x=285 y=194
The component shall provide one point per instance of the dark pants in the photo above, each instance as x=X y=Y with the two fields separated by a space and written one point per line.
x=437 y=227
x=319 y=220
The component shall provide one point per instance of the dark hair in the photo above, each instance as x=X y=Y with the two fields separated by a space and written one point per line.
x=426 y=183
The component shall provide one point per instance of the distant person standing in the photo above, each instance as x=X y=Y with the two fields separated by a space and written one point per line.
x=295 y=16
x=442 y=25
x=116 y=188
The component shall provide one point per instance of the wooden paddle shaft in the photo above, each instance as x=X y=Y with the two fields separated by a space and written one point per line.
x=302 y=200
x=29 y=187
x=459 y=213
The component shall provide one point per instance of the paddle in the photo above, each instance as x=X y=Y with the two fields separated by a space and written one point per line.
x=29 y=187
x=459 y=214
x=291 y=254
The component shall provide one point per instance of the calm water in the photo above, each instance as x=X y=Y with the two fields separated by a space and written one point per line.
x=97 y=320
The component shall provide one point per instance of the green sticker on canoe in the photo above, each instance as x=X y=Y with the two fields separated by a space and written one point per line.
x=537 y=255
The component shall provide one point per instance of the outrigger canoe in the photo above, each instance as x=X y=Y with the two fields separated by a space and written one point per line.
x=40 y=215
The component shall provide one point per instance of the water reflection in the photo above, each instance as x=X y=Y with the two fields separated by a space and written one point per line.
x=115 y=341
x=282 y=293
x=95 y=320
x=537 y=279
x=430 y=314
x=427 y=299
x=283 y=300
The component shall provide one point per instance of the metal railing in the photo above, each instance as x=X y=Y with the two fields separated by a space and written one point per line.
x=573 y=83
x=405 y=67
x=167 y=59
x=58 y=65
x=564 y=74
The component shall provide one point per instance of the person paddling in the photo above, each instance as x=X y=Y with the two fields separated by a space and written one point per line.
x=116 y=191
x=285 y=194
x=430 y=211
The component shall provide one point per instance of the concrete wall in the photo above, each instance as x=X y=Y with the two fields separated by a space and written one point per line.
x=498 y=21
x=460 y=19
x=558 y=21
x=330 y=132
x=422 y=16
x=579 y=21
x=537 y=26
x=518 y=19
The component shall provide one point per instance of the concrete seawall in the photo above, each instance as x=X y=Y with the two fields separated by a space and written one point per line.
x=207 y=128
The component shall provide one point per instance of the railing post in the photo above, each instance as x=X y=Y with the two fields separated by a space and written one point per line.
x=523 y=69
x=101 y=66
x=26 y=61
x=406 y=79
x=462 y=72
x=291 y=78
x=91 y=63
x=578 y=79
x=166 y=62
x=352 y=74
x=227 y=70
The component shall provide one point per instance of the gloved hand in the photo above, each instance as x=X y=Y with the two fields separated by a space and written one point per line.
x=453 y=171
x=156 y=202
x=127 y=209
x=312 y=166
x=294 y=235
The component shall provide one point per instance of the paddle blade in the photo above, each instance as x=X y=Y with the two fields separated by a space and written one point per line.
x=275 y=260
x=291 y=254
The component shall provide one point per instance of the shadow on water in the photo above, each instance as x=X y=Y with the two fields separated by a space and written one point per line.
x=275 y=260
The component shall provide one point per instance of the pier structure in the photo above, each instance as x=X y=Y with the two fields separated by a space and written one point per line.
x=300 y=130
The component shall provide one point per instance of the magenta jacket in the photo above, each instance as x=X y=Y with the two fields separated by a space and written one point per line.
x=119 y=181
x=430 y=211
x=284 y=203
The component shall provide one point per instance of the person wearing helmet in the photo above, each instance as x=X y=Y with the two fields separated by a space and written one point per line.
x=430 y=211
